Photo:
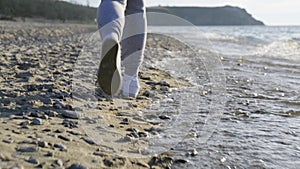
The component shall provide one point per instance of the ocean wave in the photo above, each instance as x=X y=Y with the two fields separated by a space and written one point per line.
x=285 y=49
x=217 y=37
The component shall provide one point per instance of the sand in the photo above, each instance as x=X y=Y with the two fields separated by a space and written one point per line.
x=38 y=125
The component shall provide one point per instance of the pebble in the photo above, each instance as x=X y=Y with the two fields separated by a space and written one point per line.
x=8 y=141
x=46 y=130
x=59 y=131
x=164 y=117
x=125 y=121
x=142 y=134
x=33 y=161
x=70 y=123
x=43 y=144
x=60 y=146
x=51 y=113
x=58 y=105
x=75 y=133
x=25 y=124
x=17 y=132
x=165 y=88
x=49 y=154
x=45 y=117
x=123 y=114
x=133 y=134
x=59 y=162
x=182 y=161
x=64 y=138
x=71 y=114
x=97 y=153
x=26 y=149
x=77 y=166
x=68 y=107
x=34 y=114
x=152 y=83
x=37 y=121
x=148 y=93
x=89 y=141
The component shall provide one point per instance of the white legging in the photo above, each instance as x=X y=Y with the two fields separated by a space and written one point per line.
x=125 y=20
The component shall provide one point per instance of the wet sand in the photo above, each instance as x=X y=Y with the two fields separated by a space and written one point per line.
x=38 y=125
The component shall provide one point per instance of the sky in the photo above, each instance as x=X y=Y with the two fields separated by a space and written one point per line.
x=271 y=12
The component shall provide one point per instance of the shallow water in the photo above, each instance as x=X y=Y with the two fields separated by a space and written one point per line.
x=259 y=125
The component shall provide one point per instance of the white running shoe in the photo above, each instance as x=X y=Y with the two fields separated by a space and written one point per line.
x=109 y=75
x=130 y=86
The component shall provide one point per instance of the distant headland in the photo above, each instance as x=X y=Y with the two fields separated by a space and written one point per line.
x=227 y=15
x=65 y=11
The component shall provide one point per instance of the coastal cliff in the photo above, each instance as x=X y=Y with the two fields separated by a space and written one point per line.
x=227 y=15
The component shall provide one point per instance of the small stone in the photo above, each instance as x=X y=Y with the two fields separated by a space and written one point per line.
x=37 y=121
x=97 y=153
x=70 y=123
x=49 y=154
x=26 y=149
x=145 y=78
x=142 y=134
x=133 y=134
x=123 y=114
x=164 y=117
x=182 y=161
x=8 y=141
x=75 y=133
x=71 y=114
x=165 y=88
x=77 y=166
x=64 y=138
x=125 y=121
x=43 y=144
x=59 y=162
x=34 y=114
x=148 y=93
x=51 y=113
x=68 y=107
x=60 y=146
x=45 y=117
x=58 y=105
x=152 y=83
x=24 y=124
x=46 y=130
x=89 y=141
x=164 y=83
x=33 y=161
x=59 y=131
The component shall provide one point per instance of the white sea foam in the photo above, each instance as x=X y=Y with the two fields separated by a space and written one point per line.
x=285 y=49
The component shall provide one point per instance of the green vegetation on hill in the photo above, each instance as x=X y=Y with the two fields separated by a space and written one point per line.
x=48 y=9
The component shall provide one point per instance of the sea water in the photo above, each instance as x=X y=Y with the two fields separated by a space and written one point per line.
x=260 y=122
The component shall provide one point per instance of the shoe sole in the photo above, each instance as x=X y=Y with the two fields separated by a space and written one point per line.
x=109 y=76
